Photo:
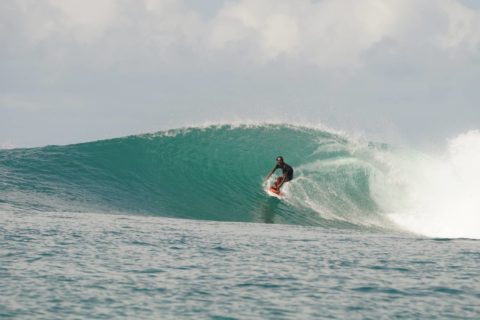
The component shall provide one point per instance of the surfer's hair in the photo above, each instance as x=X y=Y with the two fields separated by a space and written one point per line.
x=279 y=158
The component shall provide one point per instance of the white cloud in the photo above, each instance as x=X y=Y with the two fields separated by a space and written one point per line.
x=332 y=33
x=327 y=33
x=86 y=22
x=463 y=28
x=385 y=57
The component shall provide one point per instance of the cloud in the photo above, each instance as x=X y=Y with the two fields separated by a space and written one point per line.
x=332 y=33
x=82 y=20
x=167 y=60
x=327 y=33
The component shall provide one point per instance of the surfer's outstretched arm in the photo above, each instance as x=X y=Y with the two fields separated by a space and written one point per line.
x=271 y=172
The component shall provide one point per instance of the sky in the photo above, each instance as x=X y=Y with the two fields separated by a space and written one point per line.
x=81 y=70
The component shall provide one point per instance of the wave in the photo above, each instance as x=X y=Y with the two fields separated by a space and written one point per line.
x=216 y=173
x=433 y=195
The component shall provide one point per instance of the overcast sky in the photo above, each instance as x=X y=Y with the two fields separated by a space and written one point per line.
x=81 y=70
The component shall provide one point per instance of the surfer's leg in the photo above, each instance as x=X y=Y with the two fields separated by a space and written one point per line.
x=278 y=183
x=275 y=184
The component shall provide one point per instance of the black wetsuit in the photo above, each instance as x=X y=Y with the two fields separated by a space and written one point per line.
x=286 y=169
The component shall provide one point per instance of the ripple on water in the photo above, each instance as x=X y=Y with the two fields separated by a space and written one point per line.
x=170 y=269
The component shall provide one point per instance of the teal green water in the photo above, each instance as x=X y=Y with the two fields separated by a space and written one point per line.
x=102 y=266
x=214 y=173
x=92 y=230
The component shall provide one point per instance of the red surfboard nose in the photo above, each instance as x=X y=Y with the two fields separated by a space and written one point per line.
x=272 y=189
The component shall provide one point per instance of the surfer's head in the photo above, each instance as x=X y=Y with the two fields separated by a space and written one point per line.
x=279 y=159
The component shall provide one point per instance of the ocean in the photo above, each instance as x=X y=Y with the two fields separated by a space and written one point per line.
x=177 y=225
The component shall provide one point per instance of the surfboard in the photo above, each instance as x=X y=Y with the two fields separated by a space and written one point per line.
x=275 y=193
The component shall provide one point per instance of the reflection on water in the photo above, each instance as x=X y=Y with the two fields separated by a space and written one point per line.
x=268 y=209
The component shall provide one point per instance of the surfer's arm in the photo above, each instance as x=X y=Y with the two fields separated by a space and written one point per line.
x=271 y=172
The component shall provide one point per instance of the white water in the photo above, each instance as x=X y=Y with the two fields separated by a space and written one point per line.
x=436 y=196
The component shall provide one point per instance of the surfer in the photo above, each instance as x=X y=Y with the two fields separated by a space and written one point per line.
x=287 y=173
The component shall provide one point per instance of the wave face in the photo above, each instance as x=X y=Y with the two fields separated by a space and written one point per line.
x=212 y=173
x=216 y=173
